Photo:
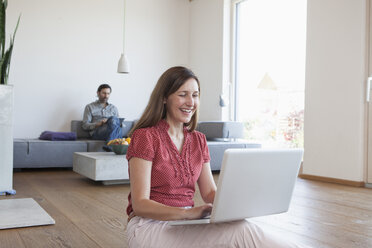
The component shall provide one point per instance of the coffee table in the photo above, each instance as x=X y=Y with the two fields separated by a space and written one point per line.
x=102 y=166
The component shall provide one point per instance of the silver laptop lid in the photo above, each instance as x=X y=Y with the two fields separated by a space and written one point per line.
x=255 y=182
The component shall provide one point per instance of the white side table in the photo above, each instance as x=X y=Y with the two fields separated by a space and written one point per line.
x=102 y=166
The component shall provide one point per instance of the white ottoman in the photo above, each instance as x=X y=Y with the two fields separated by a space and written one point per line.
x=102 y=166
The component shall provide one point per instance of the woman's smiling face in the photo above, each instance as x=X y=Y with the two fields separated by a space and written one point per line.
x=182 y=104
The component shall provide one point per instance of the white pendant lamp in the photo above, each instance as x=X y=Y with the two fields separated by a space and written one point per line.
x=123 y=65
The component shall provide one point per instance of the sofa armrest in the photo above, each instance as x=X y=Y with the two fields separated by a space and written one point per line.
x=221 y=129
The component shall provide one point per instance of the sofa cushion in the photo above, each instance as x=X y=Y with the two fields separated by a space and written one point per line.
x=217 y=149
x=95 y=145
x=215 y=130
x=76 y=126
x=41 y=153
x=20 y=152
x=127 y=126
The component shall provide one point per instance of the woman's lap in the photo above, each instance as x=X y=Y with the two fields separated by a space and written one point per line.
x=144 y=232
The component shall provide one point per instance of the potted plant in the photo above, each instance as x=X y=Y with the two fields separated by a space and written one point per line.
x=6 y=103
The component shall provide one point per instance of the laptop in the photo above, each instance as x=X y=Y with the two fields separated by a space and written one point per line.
x=252 y=183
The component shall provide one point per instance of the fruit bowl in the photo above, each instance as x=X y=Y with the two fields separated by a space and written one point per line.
x=119 y=149
x=120 y=145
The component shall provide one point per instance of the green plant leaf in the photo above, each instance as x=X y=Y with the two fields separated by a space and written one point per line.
x=2 y=26
x=10 y=50
x=16 y=28
x=4 y=62
x=6 y=55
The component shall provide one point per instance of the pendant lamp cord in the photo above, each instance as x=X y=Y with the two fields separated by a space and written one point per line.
x=124 y=26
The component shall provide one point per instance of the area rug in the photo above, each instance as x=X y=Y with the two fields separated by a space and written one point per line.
x=22 y=213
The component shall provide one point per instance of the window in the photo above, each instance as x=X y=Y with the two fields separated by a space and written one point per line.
x=269 y=70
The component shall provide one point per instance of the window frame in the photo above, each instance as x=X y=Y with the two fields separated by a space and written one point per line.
x=233 y=60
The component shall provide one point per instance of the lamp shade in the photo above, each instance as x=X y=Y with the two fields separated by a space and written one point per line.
x=123 y=65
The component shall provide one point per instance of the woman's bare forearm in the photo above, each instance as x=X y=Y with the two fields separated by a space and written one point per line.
x=209 y=198
x=207 y=185
x=151 y=209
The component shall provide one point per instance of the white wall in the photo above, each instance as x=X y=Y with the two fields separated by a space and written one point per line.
x=335 y=79
x=206 y=53
x=335 y=82
x=65 y=49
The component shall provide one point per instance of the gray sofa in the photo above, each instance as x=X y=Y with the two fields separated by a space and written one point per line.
x=222 y=135
x=35 y=153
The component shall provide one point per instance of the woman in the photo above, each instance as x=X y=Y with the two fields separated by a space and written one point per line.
x=166 y=158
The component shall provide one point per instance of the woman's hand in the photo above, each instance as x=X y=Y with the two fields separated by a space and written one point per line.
x=199 y=212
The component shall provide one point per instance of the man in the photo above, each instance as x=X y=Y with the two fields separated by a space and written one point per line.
x=101 y=118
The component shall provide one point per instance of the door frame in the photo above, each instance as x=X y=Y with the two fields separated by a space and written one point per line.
x=368 y=69
x=233 y=59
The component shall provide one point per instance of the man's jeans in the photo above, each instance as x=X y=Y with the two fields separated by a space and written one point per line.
x=109 y=131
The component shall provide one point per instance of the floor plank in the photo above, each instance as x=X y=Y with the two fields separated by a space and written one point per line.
x=336 y=236
x=89 y=214
x=63 y=234
x=99 y=221
x=11 y=239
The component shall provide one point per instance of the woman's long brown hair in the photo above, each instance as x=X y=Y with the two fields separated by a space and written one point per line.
x=169 y=82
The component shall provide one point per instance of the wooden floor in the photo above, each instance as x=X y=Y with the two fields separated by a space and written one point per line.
x=88 y=214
